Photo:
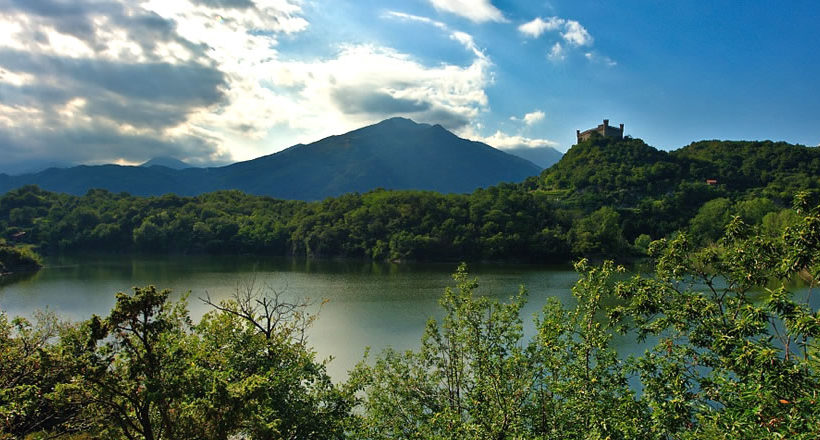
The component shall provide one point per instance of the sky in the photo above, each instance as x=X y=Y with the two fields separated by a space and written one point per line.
x=217 y=81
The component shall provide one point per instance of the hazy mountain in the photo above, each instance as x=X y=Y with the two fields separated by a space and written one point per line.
x=544 y=157
x=396 y=154
x=167 y=162
x=31 y=166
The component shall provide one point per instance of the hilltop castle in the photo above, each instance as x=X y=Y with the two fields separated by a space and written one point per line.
x=603 y=130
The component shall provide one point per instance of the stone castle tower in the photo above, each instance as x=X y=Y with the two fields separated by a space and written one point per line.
x=604 y=130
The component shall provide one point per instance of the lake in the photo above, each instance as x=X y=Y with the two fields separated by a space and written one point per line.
x=368 y=304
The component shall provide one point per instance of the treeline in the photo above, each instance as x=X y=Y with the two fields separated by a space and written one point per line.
x=732 y=353
x=606 y=197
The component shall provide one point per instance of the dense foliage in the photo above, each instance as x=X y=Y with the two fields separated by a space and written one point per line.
x=147 y=372
x=606 y=197
x=732 y=353
x=17 y=259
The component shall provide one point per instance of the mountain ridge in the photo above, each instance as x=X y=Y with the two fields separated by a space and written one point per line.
x=396 y=153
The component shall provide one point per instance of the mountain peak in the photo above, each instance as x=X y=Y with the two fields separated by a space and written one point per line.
x=167 y=162
x=399 y=123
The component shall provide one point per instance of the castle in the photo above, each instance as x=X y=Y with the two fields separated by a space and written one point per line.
x=603 y=130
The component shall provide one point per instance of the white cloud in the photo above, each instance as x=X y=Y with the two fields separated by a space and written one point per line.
x=538 y=26
x=534 y=117
x=463 y=38
x=576 y=34
x=573 y=34
x=478 y=11
x=206 y=82
x=417 y=18
x=505 y=141
x=571 y=31
x=557 y=52
x=601 y=59
x=364 y=84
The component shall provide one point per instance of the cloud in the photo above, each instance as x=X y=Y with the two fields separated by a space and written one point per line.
x=364 y=84
x=534 y=117
x=571 y=31
x=576 y=34
x=204 y=81
x=374 y=102
x=601 y=59
x=119 y=81
x=538 y=26
x=478 y=11
x=415 y=18
x=557 y=52
x=226 y=4
x=463 y=38
x=505 y=141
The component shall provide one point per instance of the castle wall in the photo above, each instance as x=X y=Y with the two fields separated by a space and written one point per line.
x=604 y=129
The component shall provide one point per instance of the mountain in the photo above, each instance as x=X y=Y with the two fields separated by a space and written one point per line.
x=544 y=157
x=31 y=166
x=167 y=162
x=395 y=154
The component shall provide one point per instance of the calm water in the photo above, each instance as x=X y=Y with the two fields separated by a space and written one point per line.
x=369 y=304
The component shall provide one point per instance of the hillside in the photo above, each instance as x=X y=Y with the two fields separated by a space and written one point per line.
x=394 y=154
x=624 y=171
x=612 y=170
x=778 y=167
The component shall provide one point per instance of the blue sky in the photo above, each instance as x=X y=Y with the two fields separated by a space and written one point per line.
x=214 y=81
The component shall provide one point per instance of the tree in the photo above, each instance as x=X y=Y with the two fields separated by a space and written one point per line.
x=263 y=378
x=708 y=224
x=476 y=376
x=469 y=380
x=736 y=353
x=31 y=370
x=131 y=368
x=599 y=234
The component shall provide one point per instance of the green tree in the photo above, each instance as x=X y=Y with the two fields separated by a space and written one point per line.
x=31 y=370
x=599 y=234
x=708 y=224
x=476 y=376
x=131 y=368
x=470 y=379
x=736 y=353
x=261 y=377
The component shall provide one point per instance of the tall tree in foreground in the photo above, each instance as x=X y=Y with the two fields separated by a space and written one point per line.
x=737 y=350
x=477 y=377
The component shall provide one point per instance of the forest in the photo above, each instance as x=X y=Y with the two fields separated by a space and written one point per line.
x=726 y=314
x=730 y=329
x=606 y=198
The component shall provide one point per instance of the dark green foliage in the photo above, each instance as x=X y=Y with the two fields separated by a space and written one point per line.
x=17 y=259
x=601 y=197
x=613 y=171
x=732 y=353
x=737 y=351
x=775 y=167
x=146 y=372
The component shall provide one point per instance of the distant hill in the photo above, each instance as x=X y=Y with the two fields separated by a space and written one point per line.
x=31 y=166
x=544 y=157
x=167 y=162
x=622 y=171
x=395 y=154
